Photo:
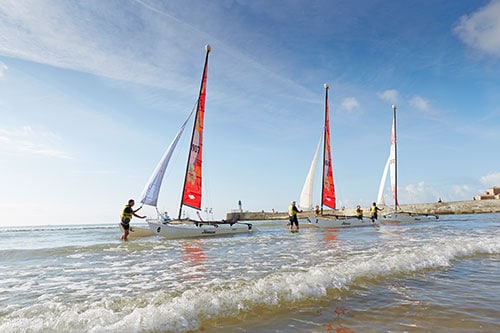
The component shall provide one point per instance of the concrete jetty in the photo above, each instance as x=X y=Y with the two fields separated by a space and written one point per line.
x=438 y=208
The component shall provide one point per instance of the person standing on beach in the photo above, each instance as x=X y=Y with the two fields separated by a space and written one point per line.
x=126 y=216
x=292 y=214
x=374 y=212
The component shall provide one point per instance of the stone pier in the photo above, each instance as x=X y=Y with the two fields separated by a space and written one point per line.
x=438 y=208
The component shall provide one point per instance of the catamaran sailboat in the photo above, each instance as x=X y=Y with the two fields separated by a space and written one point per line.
x=391 y=164
x=328 y=188
x=192 y=189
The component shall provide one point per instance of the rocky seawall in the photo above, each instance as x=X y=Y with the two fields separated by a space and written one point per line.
x=438 y=208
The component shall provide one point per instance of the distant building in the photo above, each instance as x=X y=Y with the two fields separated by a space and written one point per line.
x=491 y=193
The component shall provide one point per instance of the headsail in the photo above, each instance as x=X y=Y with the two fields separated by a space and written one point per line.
x=328 y=192
x=380 y=197
x=191 y=194
x=151 y=191
x=306 y=196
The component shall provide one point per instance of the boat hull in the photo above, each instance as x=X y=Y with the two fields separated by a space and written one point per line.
x=138 y=232
x=406 y=218
x=339 y=221
x=193 y=229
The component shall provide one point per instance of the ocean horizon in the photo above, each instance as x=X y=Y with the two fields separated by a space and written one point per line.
x=432 y=276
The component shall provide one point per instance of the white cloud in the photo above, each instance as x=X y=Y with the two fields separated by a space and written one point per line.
x=419 y=103
x=350 y=103
x=390 y=95
x=70 y=35
x=418 y=193
x=492 y=179
x=462 y=192
x=150 y=43
x=26 y=140
x=3 y=69
x=481 y=29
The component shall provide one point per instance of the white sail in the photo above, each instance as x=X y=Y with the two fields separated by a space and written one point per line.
x=306 y=196
x=150 y=193
x=380 y=197
x=393 y=163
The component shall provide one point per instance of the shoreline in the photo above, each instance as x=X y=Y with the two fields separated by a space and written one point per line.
x=437 y=208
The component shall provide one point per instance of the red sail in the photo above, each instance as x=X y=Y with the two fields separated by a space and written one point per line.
x=328 y=195
x=192 y=185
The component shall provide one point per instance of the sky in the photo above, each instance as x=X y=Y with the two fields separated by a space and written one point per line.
x=92 y=93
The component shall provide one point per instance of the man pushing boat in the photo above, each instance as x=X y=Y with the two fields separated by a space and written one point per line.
x=126 y=216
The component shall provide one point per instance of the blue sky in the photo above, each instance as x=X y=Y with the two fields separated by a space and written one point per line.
x=92 y=93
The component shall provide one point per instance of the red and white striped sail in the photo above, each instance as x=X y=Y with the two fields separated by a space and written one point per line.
x=191 y=195
x=392 y=162
x=328 y=195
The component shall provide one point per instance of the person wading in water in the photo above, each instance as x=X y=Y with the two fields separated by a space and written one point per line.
x=374 y=212
x=126 y=216
x=292 y=213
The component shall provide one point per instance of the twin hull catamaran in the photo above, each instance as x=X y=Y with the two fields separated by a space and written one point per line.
x=391 y=164
x=192 y=189
x=328 y=188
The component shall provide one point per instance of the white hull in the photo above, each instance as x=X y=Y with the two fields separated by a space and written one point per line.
x=406 y=218
x=138 y=232
x=339 y=221
x=190 y=229
x=303 y=223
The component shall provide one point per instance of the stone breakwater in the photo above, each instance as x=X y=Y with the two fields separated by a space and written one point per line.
x=438 y=208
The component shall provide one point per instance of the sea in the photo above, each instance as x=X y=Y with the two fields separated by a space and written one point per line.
x=437 y=276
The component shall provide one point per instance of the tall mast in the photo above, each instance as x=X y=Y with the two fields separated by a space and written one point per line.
x=324 y=146
x=395 y=160
x=202 y=87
